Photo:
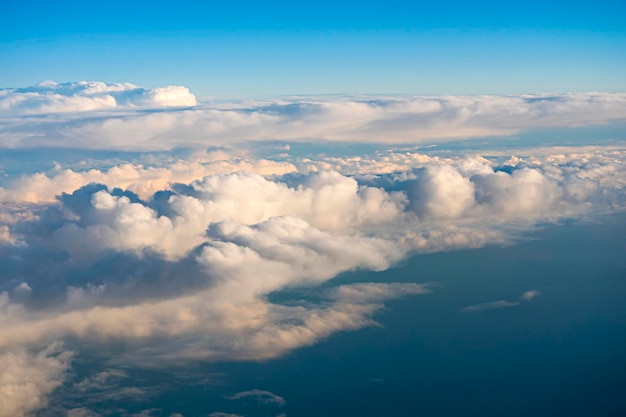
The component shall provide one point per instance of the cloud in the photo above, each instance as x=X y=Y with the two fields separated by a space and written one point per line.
x=121 y=111
x=100 y=381
x=289 y=224
x=527 y=296
x=178 y=257
x=28 y=377
x=82 y=412
x=85 y=96
x=109 y=220
x=489 y=306
x=371 y=292
x=145 y=181
x=263 y=397
x=441 y=192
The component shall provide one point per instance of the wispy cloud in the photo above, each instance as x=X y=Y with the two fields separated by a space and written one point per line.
x=530 y=295
x=492 y=305
x=221 y=414
x=263 y=397
x=489 y=306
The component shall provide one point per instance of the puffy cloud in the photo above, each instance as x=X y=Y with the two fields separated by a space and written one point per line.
x=113 y=222
x=441 y=192
x=529 y=295
x=242 y=263
x=27 y=378
x=169 y=96
x=143 y=180
x=328 y=200
x=179 y=258
x=287 y=251
x=522 y=192
x=84 y=96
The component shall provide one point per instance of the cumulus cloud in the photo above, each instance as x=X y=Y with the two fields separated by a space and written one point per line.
x=84 y=96
x=28 y=377
x=43 y=187
x=441 y=192
x=114 y=220
x=179 y=258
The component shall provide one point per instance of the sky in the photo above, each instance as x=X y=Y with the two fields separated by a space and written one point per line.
x=255 y=209
x=260 y=49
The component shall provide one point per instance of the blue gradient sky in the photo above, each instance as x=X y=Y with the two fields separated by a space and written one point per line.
x=247 y=48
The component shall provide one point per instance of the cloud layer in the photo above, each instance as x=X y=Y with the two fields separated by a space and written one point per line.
x=181 y=258
x=94 y=115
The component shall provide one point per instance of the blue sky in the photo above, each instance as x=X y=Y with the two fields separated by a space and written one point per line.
x=257 y=49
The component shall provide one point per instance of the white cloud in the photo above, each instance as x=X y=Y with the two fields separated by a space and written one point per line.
x=145 y=181
x=328 y=200
x=489 y=306
x=372 y=292
x=189 y=252
x=27 y=378
x=381 y=119
x=529 y=295
x=263 y=397
x=441 y=192
x=85 y=96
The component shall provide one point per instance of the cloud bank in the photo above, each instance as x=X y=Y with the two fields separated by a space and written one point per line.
x=94 y=115
x=180 y=259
